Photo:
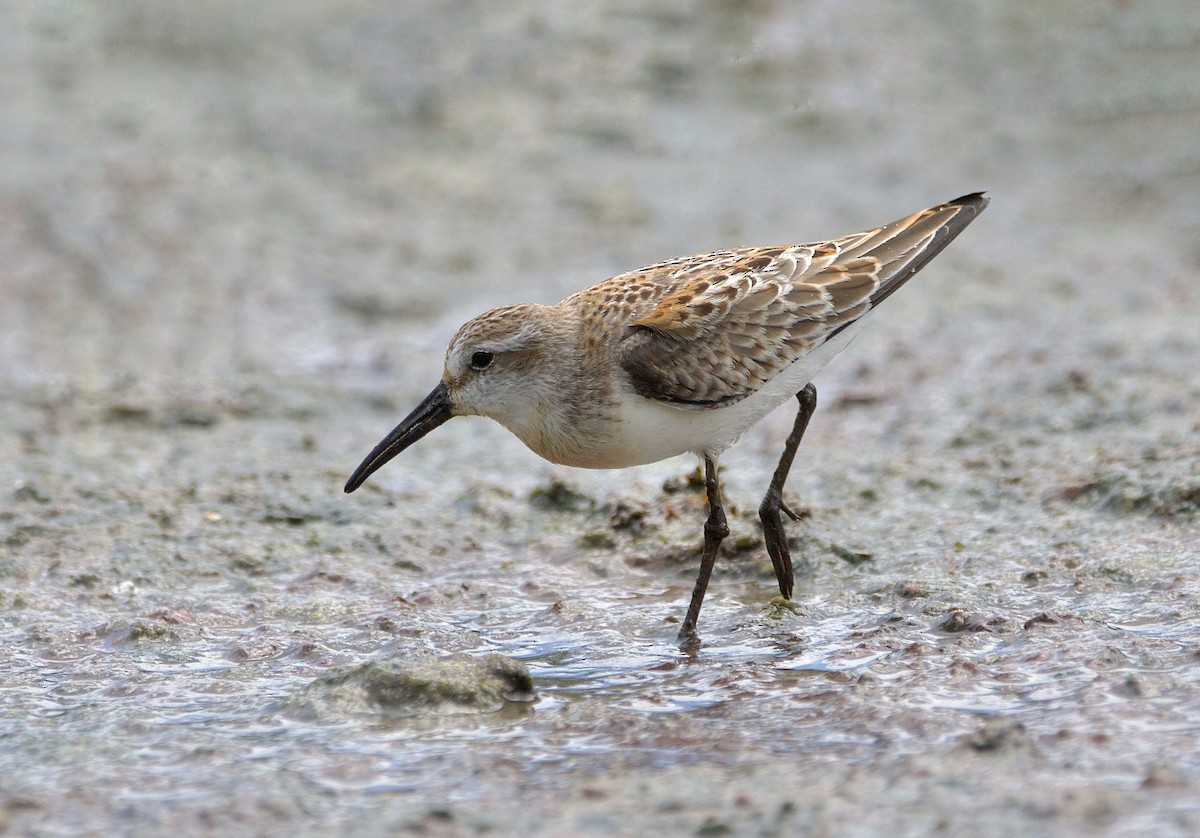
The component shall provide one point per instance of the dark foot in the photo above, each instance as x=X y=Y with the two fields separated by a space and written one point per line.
x=776 y=539
x=768 y=512
x=715 y=530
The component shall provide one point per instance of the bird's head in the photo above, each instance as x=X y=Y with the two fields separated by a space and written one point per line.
x=498 y=365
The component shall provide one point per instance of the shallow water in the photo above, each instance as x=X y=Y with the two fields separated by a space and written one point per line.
x=166 y=690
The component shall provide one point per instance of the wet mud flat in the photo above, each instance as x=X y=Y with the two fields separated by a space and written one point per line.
x=233 y=245
x=171 y=643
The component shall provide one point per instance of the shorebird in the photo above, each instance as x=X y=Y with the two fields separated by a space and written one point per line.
x=682 y=356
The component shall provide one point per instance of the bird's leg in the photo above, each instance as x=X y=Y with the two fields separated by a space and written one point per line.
x=768 y=512
x=715 y=530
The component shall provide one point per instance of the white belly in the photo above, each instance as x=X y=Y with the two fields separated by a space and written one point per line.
x=649 y=431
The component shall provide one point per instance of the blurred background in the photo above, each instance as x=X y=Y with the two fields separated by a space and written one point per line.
x=235 y=238
x=195 y=192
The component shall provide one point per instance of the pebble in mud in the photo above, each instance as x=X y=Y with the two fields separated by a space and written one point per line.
x=416 y=686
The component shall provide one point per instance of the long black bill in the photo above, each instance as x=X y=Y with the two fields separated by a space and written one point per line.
x=428 y=415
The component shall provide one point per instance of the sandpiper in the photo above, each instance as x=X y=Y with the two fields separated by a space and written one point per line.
x=682 y=356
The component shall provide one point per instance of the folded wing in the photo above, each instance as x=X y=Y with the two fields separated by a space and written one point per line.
x=729 y=322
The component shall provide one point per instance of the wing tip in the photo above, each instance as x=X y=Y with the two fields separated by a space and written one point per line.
x=975 y=201
x=965 y=210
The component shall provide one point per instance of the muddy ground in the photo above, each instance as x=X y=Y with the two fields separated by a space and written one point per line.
x=234 y=239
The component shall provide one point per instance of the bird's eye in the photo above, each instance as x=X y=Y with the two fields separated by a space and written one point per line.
x=482 y=360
